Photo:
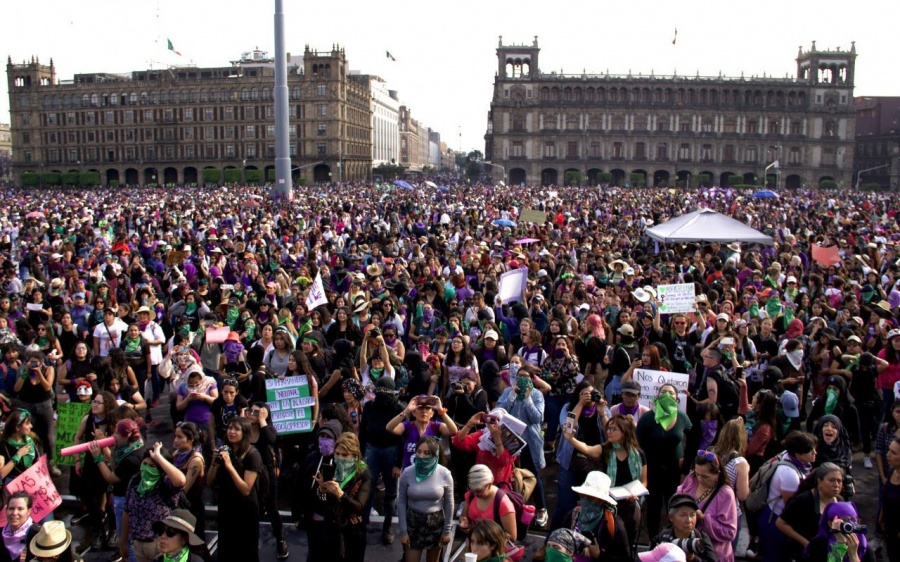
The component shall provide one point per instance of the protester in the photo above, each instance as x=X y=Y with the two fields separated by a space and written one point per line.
x=717 y=513
x=800 y=519
x=425 y=503
x=19 y=530
x=176 y=534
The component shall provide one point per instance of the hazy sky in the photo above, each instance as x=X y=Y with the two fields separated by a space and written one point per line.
x=445 y=51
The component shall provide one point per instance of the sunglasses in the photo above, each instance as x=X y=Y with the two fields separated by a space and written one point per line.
x=230 y=382
x=168 y=531
x=680 y=323
x=708 y=455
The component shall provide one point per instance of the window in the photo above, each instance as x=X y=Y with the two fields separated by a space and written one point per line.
x=229 y=132
x=228 y=113
x=662 y=124
x=752 y=126
x=250 y=132
x=250 y=150
x=129 y=116
x=706 y=153
x=245 y=94
x=169 y=135
x=549 y=150
x=751 y=154
x=796 y=127
x=249 y=113
x=148 y=116
x=170 y=152
x=209 y=151
x=322 y=129
x=73 y=155
x=254 y=96
x=92 y=154
x=595 y=150
x=209 y=132
x=54 y=155
x=51 y=138
x=270 y=131
x=572 y=149
x=51 y=119
x=188 y=114
x=72 y=137
x=684 y=152
x=794 y=155
x=684 y=126
x=28 y=156
x=26 y=119
x=728 y=153
x=70 y=118
x=662 y=152
x=321 y=90
x=517 y=149
x=229 y=151
x=322 y=110
x=189 y=133
x=320 y=150
x=129 y=135
x=292 y=149
x=168 y=115
x=640 y=150
x=90 y=118
x=26 y=138
x=617 y=150
x=208 y=113
x=270 y=112
x=189 y=151
x=129 y=153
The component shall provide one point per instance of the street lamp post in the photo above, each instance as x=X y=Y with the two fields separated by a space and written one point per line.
x=766 y=173
x=502 y=169
x=244 y=172
x=307 y=165
x=861 y=172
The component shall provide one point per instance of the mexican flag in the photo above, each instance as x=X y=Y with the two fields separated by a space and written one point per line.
x=172 y=48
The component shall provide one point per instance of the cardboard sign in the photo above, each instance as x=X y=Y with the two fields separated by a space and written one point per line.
x=39 y=485
x=69 y=416
x=826 y=256
x=512 y=285
x=174 y=257
x=290 y=405
x=651 y=381
x=533 y=215
x=217 y=335
x=675 y=298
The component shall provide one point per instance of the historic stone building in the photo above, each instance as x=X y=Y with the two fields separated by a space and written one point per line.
x=877 y=160
x=5 y=152
x=165 y=126
x=546 y=127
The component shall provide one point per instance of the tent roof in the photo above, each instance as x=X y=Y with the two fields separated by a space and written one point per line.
x=707 y=225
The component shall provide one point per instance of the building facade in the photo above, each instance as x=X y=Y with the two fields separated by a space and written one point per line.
x=877 y=161
x=5 y=152
x=671 y=130
x=166 y=126
x=385 y=107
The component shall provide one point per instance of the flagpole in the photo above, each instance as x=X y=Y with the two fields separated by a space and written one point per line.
x=282 y=155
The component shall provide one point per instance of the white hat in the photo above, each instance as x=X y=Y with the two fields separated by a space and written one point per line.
x=584 y=306
x=723 y=316
x=542 y=273
x=791 y=279
x=491 y=335
x=650 y=290
x=596 y=486
x=641 y=295
x=629 y=271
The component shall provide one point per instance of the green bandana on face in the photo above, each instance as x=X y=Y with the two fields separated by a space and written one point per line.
x=425 y=467
x=666 y=410
x=773 y=307
x=251 y=331
x=524 y=386
x=831 y=400
x=150 y=477
x=190 y=308
x=554 y=555
x=345 y=469
x=231 y=316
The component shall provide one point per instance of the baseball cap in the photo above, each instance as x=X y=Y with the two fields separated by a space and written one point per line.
x=491 y=335
x=631 y=387
x=682 y=500
x=791 y=404
x=724 y=316
x=626 y=330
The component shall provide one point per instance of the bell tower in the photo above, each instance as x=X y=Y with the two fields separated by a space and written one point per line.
x=826 y=68
x=518 y=62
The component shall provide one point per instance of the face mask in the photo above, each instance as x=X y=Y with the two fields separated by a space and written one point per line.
x=251 y=330
x=795 y=358
x=709 y=427
x=326 y=446
x=554 y=555
x=831 y=400
x=524 y=385
x=150 y=477
x=559 y=353
x=666 y=409
x=425 y=467
x=344 y=469
x=376 y=373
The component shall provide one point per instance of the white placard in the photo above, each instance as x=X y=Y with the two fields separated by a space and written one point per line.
x=651 y=381
x=316 y=296
x=512 y=285
x=34 y=306
x=675 y=298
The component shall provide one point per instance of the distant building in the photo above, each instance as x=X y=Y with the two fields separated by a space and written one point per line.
x=672 y=130
x=877 y=141
x=5 y=152
x=165 y=126
x=385 y=107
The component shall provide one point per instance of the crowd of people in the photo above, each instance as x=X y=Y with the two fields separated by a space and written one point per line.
x=436 y=403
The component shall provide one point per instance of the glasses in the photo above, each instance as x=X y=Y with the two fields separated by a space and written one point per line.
x=708 y=455
x=98 y=402
x=168 y=531
x=680 y=323
x=230 y=382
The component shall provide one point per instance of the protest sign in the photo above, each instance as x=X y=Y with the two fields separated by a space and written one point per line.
x=174 y=257
x=512 y=285
x=290 y=405
x=39 y=485
x=675 y=298
x=316 y=296
x=826 y=256
x=69 y=415
x=651 y=381
x=533 y=215
x=217 y=335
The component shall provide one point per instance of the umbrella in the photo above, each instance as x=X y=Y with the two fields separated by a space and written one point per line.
x=527 y=241
x=443 y=188
x=250 y=203
x=504 y=222
x=257 y=197
x=403 y=184
x=765 y=194
x=34 y=215
x=430 y=184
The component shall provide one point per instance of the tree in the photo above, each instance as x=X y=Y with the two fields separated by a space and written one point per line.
x=232 y=175
x=51 y=178
x=30 y=179
x=389 y=171
x=638 y=179
x=827 y=184
x=70 y=178
x=89 y=178
x=211 y=176
x=703 y=180
x=733 y=180
x=254 y=177
x=604 y=177
x=270 y=175
x=573 y=178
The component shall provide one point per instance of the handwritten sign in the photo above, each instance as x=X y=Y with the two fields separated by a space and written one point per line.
x=651 y=381
x=69 y=416
x=675 y=298
x=512 y=285
x=217 y=335
x=290 y=405
x=39 y=485
x=533 y=215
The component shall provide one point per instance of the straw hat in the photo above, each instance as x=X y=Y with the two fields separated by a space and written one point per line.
x=374 y=270
x=596 y=486
x=52 y=540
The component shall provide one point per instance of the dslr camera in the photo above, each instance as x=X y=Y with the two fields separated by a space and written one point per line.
x=596 y=396
x=456 y=386
x=222 y=451
x=689 y=546
x=851 y=527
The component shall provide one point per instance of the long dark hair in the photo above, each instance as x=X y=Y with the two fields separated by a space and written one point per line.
x=244 y=424
x=766 y=408
x=576 y=394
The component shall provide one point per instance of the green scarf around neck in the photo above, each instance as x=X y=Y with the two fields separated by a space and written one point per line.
x=133 y=345
x=28 y=459
x=125 y=450
x=181 y=556
x=634 y=463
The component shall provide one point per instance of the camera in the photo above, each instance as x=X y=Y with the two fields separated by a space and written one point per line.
x=488 y=418
x=374 y=333
x=456 y=385
x=595 y=396
x=849 y=487
x=426 y=400
x=34 y=364
x=851 y=527
x=222 y=451
x=689 y=546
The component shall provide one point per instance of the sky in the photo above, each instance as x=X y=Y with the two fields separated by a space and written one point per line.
x=446 y=51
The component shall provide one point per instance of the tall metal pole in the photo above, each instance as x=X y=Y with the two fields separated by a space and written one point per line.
x=282 y=155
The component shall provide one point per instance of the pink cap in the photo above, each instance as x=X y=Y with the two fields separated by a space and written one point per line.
x=666 y=552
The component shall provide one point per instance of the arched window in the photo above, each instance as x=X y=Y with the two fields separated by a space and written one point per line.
x=204 y=95
x=85 y=100
x=95 y=100
x=254 y=94
x=132 y=98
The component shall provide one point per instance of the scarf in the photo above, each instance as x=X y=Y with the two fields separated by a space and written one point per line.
x=837 y=552
x=182 y=556
x=28 y=459
x=125 y=450
x=150 y=477
x=589 y=411
x=181 y=457
x=634 y=463
x=190 y=308
x=14 y=539
x=666 y=410
x=143 y=325
x=524 y=386
x=231 y=316
x=592 y=513
x=795 y=358
x=554 y=555
x=132 y=345
x=375 y=374
x=831 y=400
x=425 y=467
x=345 y=470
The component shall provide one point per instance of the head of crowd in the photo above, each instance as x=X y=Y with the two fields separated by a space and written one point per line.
x=356 y=350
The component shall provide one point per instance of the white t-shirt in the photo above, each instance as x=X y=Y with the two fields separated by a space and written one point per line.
x=109 y=336
x=785 y=479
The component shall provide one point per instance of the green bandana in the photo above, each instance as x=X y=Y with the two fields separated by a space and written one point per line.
x=150 y=477
x=425 y=467
x=190 y=308
x=28 y=459
x=754 y=309
x=345 y=470
x=838 y=552
x=554 y=555
x=132 y=345
x=666 y=410
x=125 y=450
x=251 y=330
x=773 y=307
x=831 y=400
x=524 y=385
x=231 y=316
x=376 y=373
x=180 y=557
x=42 y=342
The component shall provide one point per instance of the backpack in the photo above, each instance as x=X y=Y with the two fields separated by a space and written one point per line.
x=524 y=516
x=762 y=482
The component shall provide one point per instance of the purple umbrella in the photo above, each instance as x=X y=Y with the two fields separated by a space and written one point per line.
x=527 y=241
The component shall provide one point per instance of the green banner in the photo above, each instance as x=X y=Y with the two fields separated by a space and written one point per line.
x=290 y=404
x=69 y=416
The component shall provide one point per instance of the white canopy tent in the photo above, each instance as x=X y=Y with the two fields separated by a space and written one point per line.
x=707 y=225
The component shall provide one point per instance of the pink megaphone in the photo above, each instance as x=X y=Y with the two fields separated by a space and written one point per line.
x=83 y=447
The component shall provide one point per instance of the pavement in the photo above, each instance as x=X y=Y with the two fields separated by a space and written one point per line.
x=866 y=500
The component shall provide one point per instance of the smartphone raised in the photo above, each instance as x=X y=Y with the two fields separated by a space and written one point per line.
x=570 y=423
